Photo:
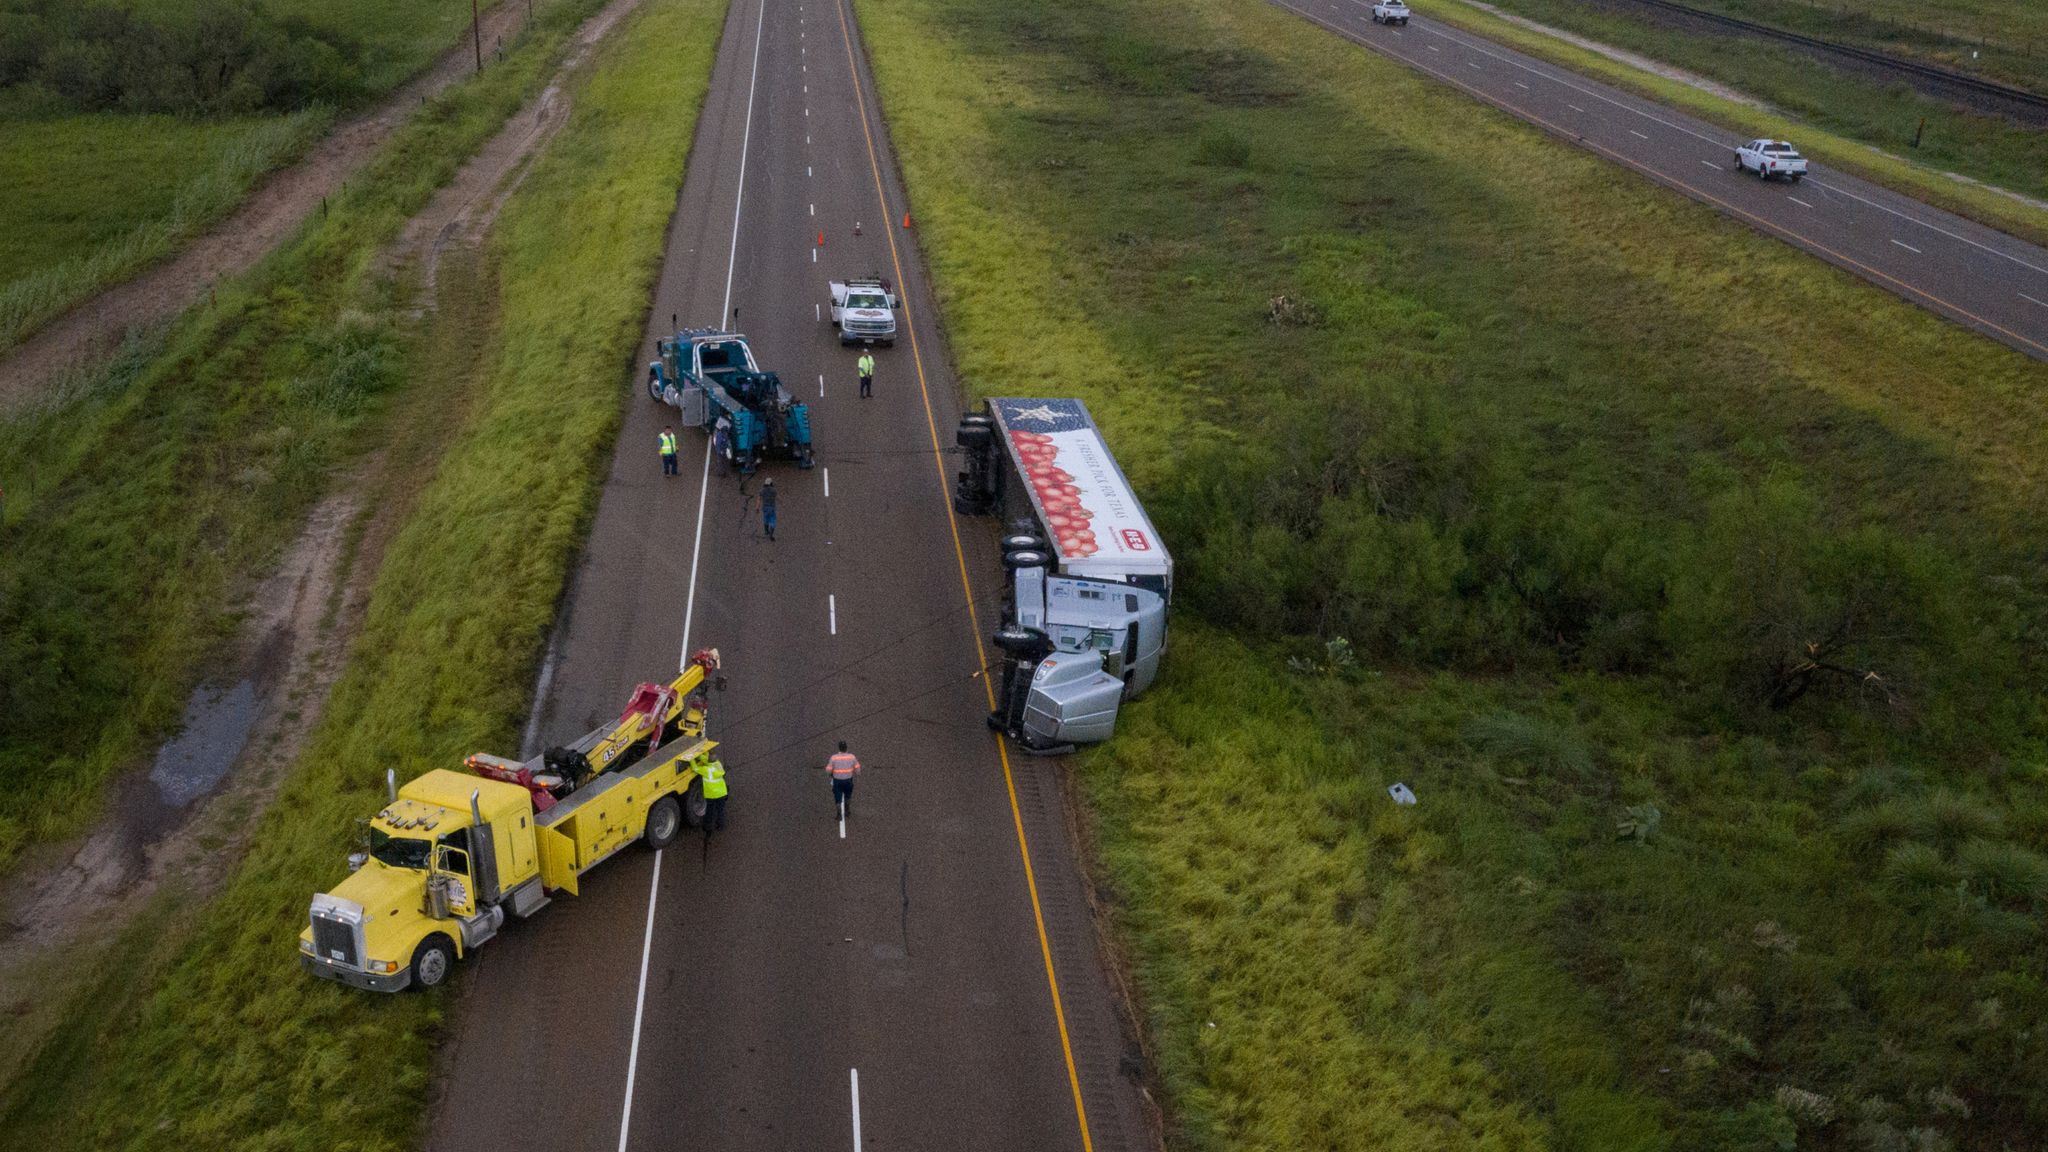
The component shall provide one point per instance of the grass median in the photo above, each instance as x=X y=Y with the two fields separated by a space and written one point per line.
x=1687 y=580
x=217 y=1040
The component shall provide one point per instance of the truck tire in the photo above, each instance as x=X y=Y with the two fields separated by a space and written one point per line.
x=431 y=962
x=1796 y=176
x=654 y=388
x=664 y=823
x=693 y=804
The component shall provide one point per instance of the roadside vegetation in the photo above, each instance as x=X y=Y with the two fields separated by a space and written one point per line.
x=1692 y=585
x=138 y=500
x=210 y=1036
x=2004 y=40
x=128 y=128
x=1832 y=113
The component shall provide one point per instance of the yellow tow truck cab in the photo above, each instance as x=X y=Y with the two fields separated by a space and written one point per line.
x=453 y=853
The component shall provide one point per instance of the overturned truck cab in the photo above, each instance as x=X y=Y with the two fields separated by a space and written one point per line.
x=1087 y=578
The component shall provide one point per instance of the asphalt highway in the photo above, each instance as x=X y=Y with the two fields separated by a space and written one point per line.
x=1972 y=274
x=924 y=975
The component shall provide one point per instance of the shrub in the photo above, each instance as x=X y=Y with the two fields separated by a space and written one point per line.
x=2004 y=872
x=1223 y=149
x=208 y=56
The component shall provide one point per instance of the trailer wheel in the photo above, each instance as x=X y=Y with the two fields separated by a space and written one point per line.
x=431 y=962
x=664 y=821
x=694 y=804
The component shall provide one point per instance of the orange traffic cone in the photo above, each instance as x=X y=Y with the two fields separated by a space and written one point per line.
x=906 y=219
x=821 y=239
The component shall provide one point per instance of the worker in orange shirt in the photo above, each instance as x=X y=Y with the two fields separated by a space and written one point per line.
x=843 y=767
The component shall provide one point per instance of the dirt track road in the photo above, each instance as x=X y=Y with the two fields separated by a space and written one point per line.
x=271 y=214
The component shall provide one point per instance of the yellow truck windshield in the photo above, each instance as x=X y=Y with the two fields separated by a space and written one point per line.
x=400 y=851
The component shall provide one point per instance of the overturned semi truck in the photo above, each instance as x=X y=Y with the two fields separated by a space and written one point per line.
x=1087 y=578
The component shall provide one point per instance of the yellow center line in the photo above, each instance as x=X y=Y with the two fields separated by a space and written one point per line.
x=966 y=585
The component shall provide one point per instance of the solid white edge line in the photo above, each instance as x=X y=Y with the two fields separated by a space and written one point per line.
x=690 y=602
x=853 y=1076
x=640 y=1002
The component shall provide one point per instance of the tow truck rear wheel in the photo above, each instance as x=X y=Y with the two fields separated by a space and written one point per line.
x=694 y=804
x=431 y=962
x=664 y=821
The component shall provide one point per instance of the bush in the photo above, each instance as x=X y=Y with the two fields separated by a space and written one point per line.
x=214 y=57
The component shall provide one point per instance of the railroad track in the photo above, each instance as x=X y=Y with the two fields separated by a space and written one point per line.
x=2007 y=92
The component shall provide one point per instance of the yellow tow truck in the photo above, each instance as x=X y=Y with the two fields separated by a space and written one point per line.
x=454 y=853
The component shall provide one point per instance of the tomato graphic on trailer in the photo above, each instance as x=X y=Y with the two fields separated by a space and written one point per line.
x=1081 y=497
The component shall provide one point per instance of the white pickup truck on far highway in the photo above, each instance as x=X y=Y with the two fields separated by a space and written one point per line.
x=1768 y=158
x=1390 y=12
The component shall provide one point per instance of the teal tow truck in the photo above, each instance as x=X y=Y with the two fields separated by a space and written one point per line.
x=711 y=377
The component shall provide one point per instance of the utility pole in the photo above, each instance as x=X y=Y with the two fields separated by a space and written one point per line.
x=476 y=28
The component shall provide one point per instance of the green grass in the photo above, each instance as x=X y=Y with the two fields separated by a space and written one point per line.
x=1578 y=467
x=2009 y=38
x=1845 y=120
x=88 y=200
x=234 y=1047
x=138 y=505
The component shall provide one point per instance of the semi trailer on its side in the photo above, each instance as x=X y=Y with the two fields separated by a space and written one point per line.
x=1089 y=580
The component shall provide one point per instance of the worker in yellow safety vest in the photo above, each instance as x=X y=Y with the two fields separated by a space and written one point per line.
x=843 y=766
x=712 y=773
x=668 y=451
x=866 y=367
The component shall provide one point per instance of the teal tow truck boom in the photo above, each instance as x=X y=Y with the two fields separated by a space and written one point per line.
x=711 y=377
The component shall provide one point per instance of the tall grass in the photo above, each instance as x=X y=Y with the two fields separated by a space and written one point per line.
x=135 y=510
x=88 y=229
x=2002 y=39
x=1665 y=549
x=234 y=1047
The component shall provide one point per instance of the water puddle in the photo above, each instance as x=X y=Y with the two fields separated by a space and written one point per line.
x=217 y=723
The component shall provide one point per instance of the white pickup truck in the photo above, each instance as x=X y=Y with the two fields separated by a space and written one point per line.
x=864 y=311
x=1768 y=158
x=1390 y=12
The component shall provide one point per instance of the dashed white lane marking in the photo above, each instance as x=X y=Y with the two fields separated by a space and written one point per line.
x=1798 y=201
x=2031 y=300
x=818 y=313
x=814 y=255
x=1474 y=67
x=1907 y=247
x=807 y=167
x=832 y=609
x=1432 y=47
x=1575 y=107
x=814 y=209
x=1711 y=164
x=828 y=483
x=1633 y=132
x=853 y=1074
x=807 y=111
x=821 y=383
x=1522 y=86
